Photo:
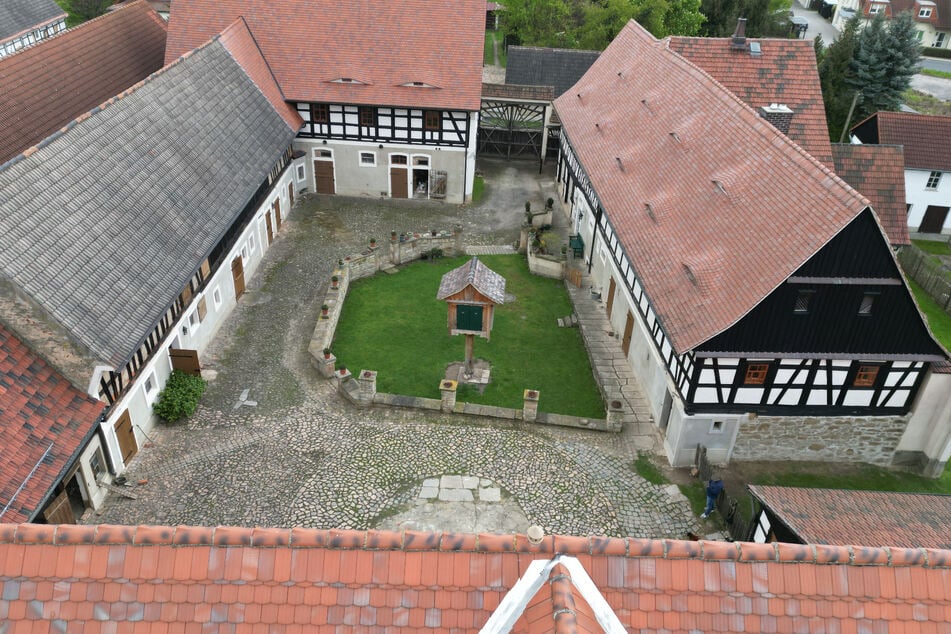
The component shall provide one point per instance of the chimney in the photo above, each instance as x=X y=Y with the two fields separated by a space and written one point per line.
x=738 y=43
x=779 y=114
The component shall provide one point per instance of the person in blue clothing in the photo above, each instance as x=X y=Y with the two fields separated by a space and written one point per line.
x=714 y=488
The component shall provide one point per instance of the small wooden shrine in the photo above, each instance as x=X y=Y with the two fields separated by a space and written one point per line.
x=472 y=291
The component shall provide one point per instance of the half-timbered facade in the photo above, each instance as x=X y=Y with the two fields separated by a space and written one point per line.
x=389 y=99
x=134 y=259
x=754 y=293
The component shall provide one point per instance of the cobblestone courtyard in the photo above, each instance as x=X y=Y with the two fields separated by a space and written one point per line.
x=302 y=456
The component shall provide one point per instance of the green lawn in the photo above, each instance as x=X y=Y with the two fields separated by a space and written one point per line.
x=478 y=189
x=488 y=56
x=935 y=73
x=395 y=325
x=935 y=247
x=938 y=320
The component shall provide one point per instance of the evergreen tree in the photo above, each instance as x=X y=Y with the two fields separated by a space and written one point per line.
x=835 y=77
x=885 y=60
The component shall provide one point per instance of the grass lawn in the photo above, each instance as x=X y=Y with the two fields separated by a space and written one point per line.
x=488 y=56
x=935 y=73
x=935 y=247
x=938 y=320
x=478 y=189
x=395 y=325
x=925 y=103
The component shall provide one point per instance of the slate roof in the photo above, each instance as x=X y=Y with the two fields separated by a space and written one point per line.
x=383 y=45
x=162 y=579
x=474 y=273
x=144 y=189
x=46 y=86
x=925 y=138
x=737 y=207
x=842 y=517
x=20 y=16
x=39 y=410
x=785 y=72
x=878 y=173
x=557 y=67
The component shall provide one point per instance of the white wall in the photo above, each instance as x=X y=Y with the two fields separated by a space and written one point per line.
x=137 y=400
x=919 y=197
x=929 y=430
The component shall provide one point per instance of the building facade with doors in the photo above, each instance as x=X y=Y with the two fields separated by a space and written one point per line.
x=932 y=17
x=389 y=93
x=158 y=219
x=761 y=324
x=925 y=140
x=54 y=462
x=24 y=23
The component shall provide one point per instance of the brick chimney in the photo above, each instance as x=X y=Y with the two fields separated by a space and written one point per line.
x=738 y=43
x=779 y=114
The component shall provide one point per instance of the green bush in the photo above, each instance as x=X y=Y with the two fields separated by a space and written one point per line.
x=936 y=52
x=180 y=396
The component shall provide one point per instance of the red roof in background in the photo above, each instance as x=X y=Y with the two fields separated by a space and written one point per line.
x=925 y=138
x=878 y=173
x=39 y=409
x=237 y=39
x=44 y=87
x=164 y=579
x=309 y=44
x=838 y=516
x=737 y=207
x=785 y=72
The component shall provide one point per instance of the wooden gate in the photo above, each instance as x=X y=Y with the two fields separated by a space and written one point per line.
x=270 y=229
x=512 y=120
x=237 y=274
x=59 y=510
x=574 y=276
x=399 y=186
x=128 y=446
x=185 y=360
x=611 y=289
x=324 y=175
x=628 y=331
x=277 y=213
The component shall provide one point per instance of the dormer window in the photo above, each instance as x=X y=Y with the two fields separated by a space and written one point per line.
x=868 y=300
x=346 y=80
x=803 y=299
x=417 y=84
x=924 y=12
x=875 y=9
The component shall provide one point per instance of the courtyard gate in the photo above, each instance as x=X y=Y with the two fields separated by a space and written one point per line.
x=515 y=121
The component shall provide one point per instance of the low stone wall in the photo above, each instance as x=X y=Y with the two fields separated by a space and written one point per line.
x=828 y=439
x=544 y=266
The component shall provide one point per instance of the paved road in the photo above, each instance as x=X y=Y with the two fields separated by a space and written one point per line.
x=302 y=457
x=936 y=64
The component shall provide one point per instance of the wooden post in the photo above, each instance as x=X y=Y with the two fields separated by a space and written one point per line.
x=470 y=339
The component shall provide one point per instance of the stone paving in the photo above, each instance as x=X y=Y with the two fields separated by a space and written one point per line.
x=273 y=445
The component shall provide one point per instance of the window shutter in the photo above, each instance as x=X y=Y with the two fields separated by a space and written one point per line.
x=202 y=309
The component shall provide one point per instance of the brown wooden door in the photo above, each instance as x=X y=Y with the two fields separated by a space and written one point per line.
x=270 y=229
x=128 y=446
x=324 y=173
x=628 y=330
x=290 y=193
x=933 y=220
x=277 y=214
x=185 y=360
x=611 y=289
x=398 y=182
x=59 y=510
x=237 y=273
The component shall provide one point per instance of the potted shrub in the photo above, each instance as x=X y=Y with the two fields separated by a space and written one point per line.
x=528 y=212
x=326 y=353
x=372 y=243
x=339 y=263
x=342 y=370
x=324 y=311
x=334 y=282
x=549 y=204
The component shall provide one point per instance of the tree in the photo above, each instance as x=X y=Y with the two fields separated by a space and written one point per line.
x=87 y=9
x=835 y=77
x=764 y=18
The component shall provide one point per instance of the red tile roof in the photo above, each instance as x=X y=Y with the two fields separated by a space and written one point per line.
x=841 y=517
x=785 y=72
x=878 y=173
x=384 y=45
x=39 y=410
x=925 y=138
x=164 y=579
x=237 y=39
x=46 y=86
x=735 y=206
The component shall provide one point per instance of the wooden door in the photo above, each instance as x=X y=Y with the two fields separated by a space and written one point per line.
x=324 y=173
x=628 y=331
x=611 y=289
x=933 y=220
x=237 y=274
x=59 y=511
x=277 y=214
x=290 y=193
x=270 y=229
x=128 y=446
x=185 y=360
x=399 y=185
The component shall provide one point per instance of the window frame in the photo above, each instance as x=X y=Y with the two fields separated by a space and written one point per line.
x=924 y=12
x=805 y=295
x=867 y=305
x=319 y=113
x=432 y=120
x=150 y=393
x=216 y=296
x=365 y=154
x=755 y=373
x=366 y=116
x=934 y=179
x=866 y=376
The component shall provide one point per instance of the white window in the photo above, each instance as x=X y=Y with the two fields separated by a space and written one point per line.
x=217 y=297
x=924 y=12
x=251 y=243
x=919 y=35
x=244 y=253
x=150 y=388
x=868 y=300
x=300 y=172
x=194 y=320
x=875 y=9
x=933 y=179
x=368 y=159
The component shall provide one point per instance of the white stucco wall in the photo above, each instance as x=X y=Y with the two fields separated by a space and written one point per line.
x=929 y=430
x=920 y=197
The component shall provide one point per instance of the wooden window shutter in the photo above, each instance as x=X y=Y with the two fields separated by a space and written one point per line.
x=202 y=309
x=186 y=295
x=205 y=270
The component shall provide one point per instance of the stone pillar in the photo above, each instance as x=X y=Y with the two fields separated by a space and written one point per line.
x=615 y=415
x=523 y=238
x=530 y=406
x=367 y=382
x=342 y=374
x=457 y=234
x=328 y=366
x=448 y=390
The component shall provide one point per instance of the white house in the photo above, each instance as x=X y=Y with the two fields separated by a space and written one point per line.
x=127 y=236
x=23 y=23
x=926 y=140
x=389 y=92
x=932 y=17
